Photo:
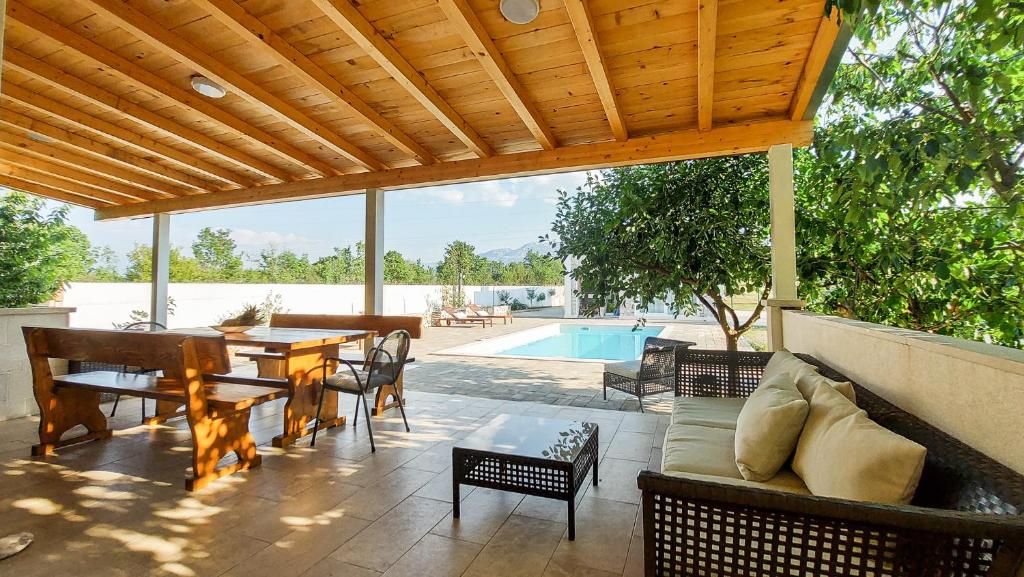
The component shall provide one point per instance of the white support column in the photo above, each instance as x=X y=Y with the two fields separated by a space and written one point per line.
x=161 y=271
x=373 y=284
x=783 y=237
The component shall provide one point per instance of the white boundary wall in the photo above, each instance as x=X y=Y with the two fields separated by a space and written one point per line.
x=971 y=390
x=100 y=305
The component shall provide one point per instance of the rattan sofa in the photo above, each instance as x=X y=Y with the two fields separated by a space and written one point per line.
x=965 y=519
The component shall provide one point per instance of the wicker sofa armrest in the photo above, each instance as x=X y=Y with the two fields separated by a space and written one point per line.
x=699 y=527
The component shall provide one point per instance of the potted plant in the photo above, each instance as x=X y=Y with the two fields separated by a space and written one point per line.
x=250 y=316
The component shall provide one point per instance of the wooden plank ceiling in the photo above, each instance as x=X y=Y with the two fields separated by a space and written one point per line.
x=329 y=97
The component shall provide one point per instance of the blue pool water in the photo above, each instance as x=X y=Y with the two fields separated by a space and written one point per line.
x=614 y=343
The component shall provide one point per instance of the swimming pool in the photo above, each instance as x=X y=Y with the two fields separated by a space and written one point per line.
x=569 y=342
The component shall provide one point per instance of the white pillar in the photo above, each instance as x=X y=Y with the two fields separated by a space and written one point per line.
x=161 y=270
x=783 y=237
x=373 y=283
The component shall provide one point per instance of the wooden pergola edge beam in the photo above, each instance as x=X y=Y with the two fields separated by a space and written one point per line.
x=721 y=141
x=829 y=45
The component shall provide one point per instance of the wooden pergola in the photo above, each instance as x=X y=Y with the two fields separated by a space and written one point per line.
x=337 y=97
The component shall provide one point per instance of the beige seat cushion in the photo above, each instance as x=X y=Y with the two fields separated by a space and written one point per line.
x=718 y=412
x=628 y=369
x=699 y=450
x=785 y=481
x=807 y=384
x=842 y=453
x=768 y=427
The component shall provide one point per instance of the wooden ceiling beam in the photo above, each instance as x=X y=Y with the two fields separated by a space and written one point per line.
x=347 y=17
x=138 y=184
x=48 y=180
x=583 y=24
x=235 y=17
x=63 y=137
x=460 y=14
x=161 y=88
x=16 y=156
x=823 y=50
x=726 y=140
x=73 y=116
x=48 y=192
x=159 y=37
x=78 y=88
x=707 y=32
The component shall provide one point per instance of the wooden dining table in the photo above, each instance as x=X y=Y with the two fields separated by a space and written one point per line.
x=305 y=351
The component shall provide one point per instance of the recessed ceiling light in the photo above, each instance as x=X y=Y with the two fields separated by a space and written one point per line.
x=519 y=11
x=40 y=138
x=207 y=87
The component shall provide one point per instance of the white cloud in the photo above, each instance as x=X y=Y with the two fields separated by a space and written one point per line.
x=503 y=193
x=260 y=239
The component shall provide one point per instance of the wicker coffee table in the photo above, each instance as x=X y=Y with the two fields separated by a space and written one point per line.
x=530 y=455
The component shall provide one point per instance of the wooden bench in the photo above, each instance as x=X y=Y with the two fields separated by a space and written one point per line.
x=216 y=404
x=270 y=364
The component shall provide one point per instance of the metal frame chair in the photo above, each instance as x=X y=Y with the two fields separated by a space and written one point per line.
x=656 y=373
x=383 y=366
x=142 y=326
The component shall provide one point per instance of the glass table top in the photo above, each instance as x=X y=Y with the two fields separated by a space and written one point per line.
x=533 y=437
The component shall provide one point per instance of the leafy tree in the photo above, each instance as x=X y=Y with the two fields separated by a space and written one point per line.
x=341 y=267
x=543 y=269
x=39 y=251
x=102 y=265
x=695 y=228
x=515 y=274
x=181 y=267
x=284 y=267
x=459 y=259
x=909 y=200
x=217 y=254
x=531 y=295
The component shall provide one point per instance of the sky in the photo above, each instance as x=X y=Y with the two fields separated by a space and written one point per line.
x=418 y=222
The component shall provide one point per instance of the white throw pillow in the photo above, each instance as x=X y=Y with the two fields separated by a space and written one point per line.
x=768 y=427
x=842 y=453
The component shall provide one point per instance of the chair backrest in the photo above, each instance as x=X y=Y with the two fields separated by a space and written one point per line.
x=383 y=324
x=145 y=326
x=154 y=350
x=388 y=358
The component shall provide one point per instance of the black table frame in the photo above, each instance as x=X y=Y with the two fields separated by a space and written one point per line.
x=527 y=475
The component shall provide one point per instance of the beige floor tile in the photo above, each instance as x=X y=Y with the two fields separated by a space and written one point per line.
x=440 y=488
x=299 y=550
x=521 y=548
x=482 y=514
x=388 y=538
x=329 y=567
x=560 y=567
x=371 y=502
x=435 y=556
x=639 y=423
x=617 y=481
x=631 y=446
x=317 y=505
x=635 y=558
x=603 y=532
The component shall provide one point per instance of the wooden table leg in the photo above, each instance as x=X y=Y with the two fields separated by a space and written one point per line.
x=304 y=369
x=393 y=392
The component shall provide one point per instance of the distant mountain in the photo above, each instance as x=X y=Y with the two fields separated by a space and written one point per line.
x=507 y=255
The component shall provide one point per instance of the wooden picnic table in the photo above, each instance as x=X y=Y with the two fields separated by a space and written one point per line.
x=304 y=353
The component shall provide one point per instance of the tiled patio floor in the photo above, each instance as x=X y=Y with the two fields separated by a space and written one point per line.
x=552 y=382
x=118 y=507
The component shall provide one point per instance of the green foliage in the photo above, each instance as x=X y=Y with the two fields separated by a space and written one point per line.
x=458 y=262
x=217 y=254
x=686 y=228
x=39 y=252
x=910 y=200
